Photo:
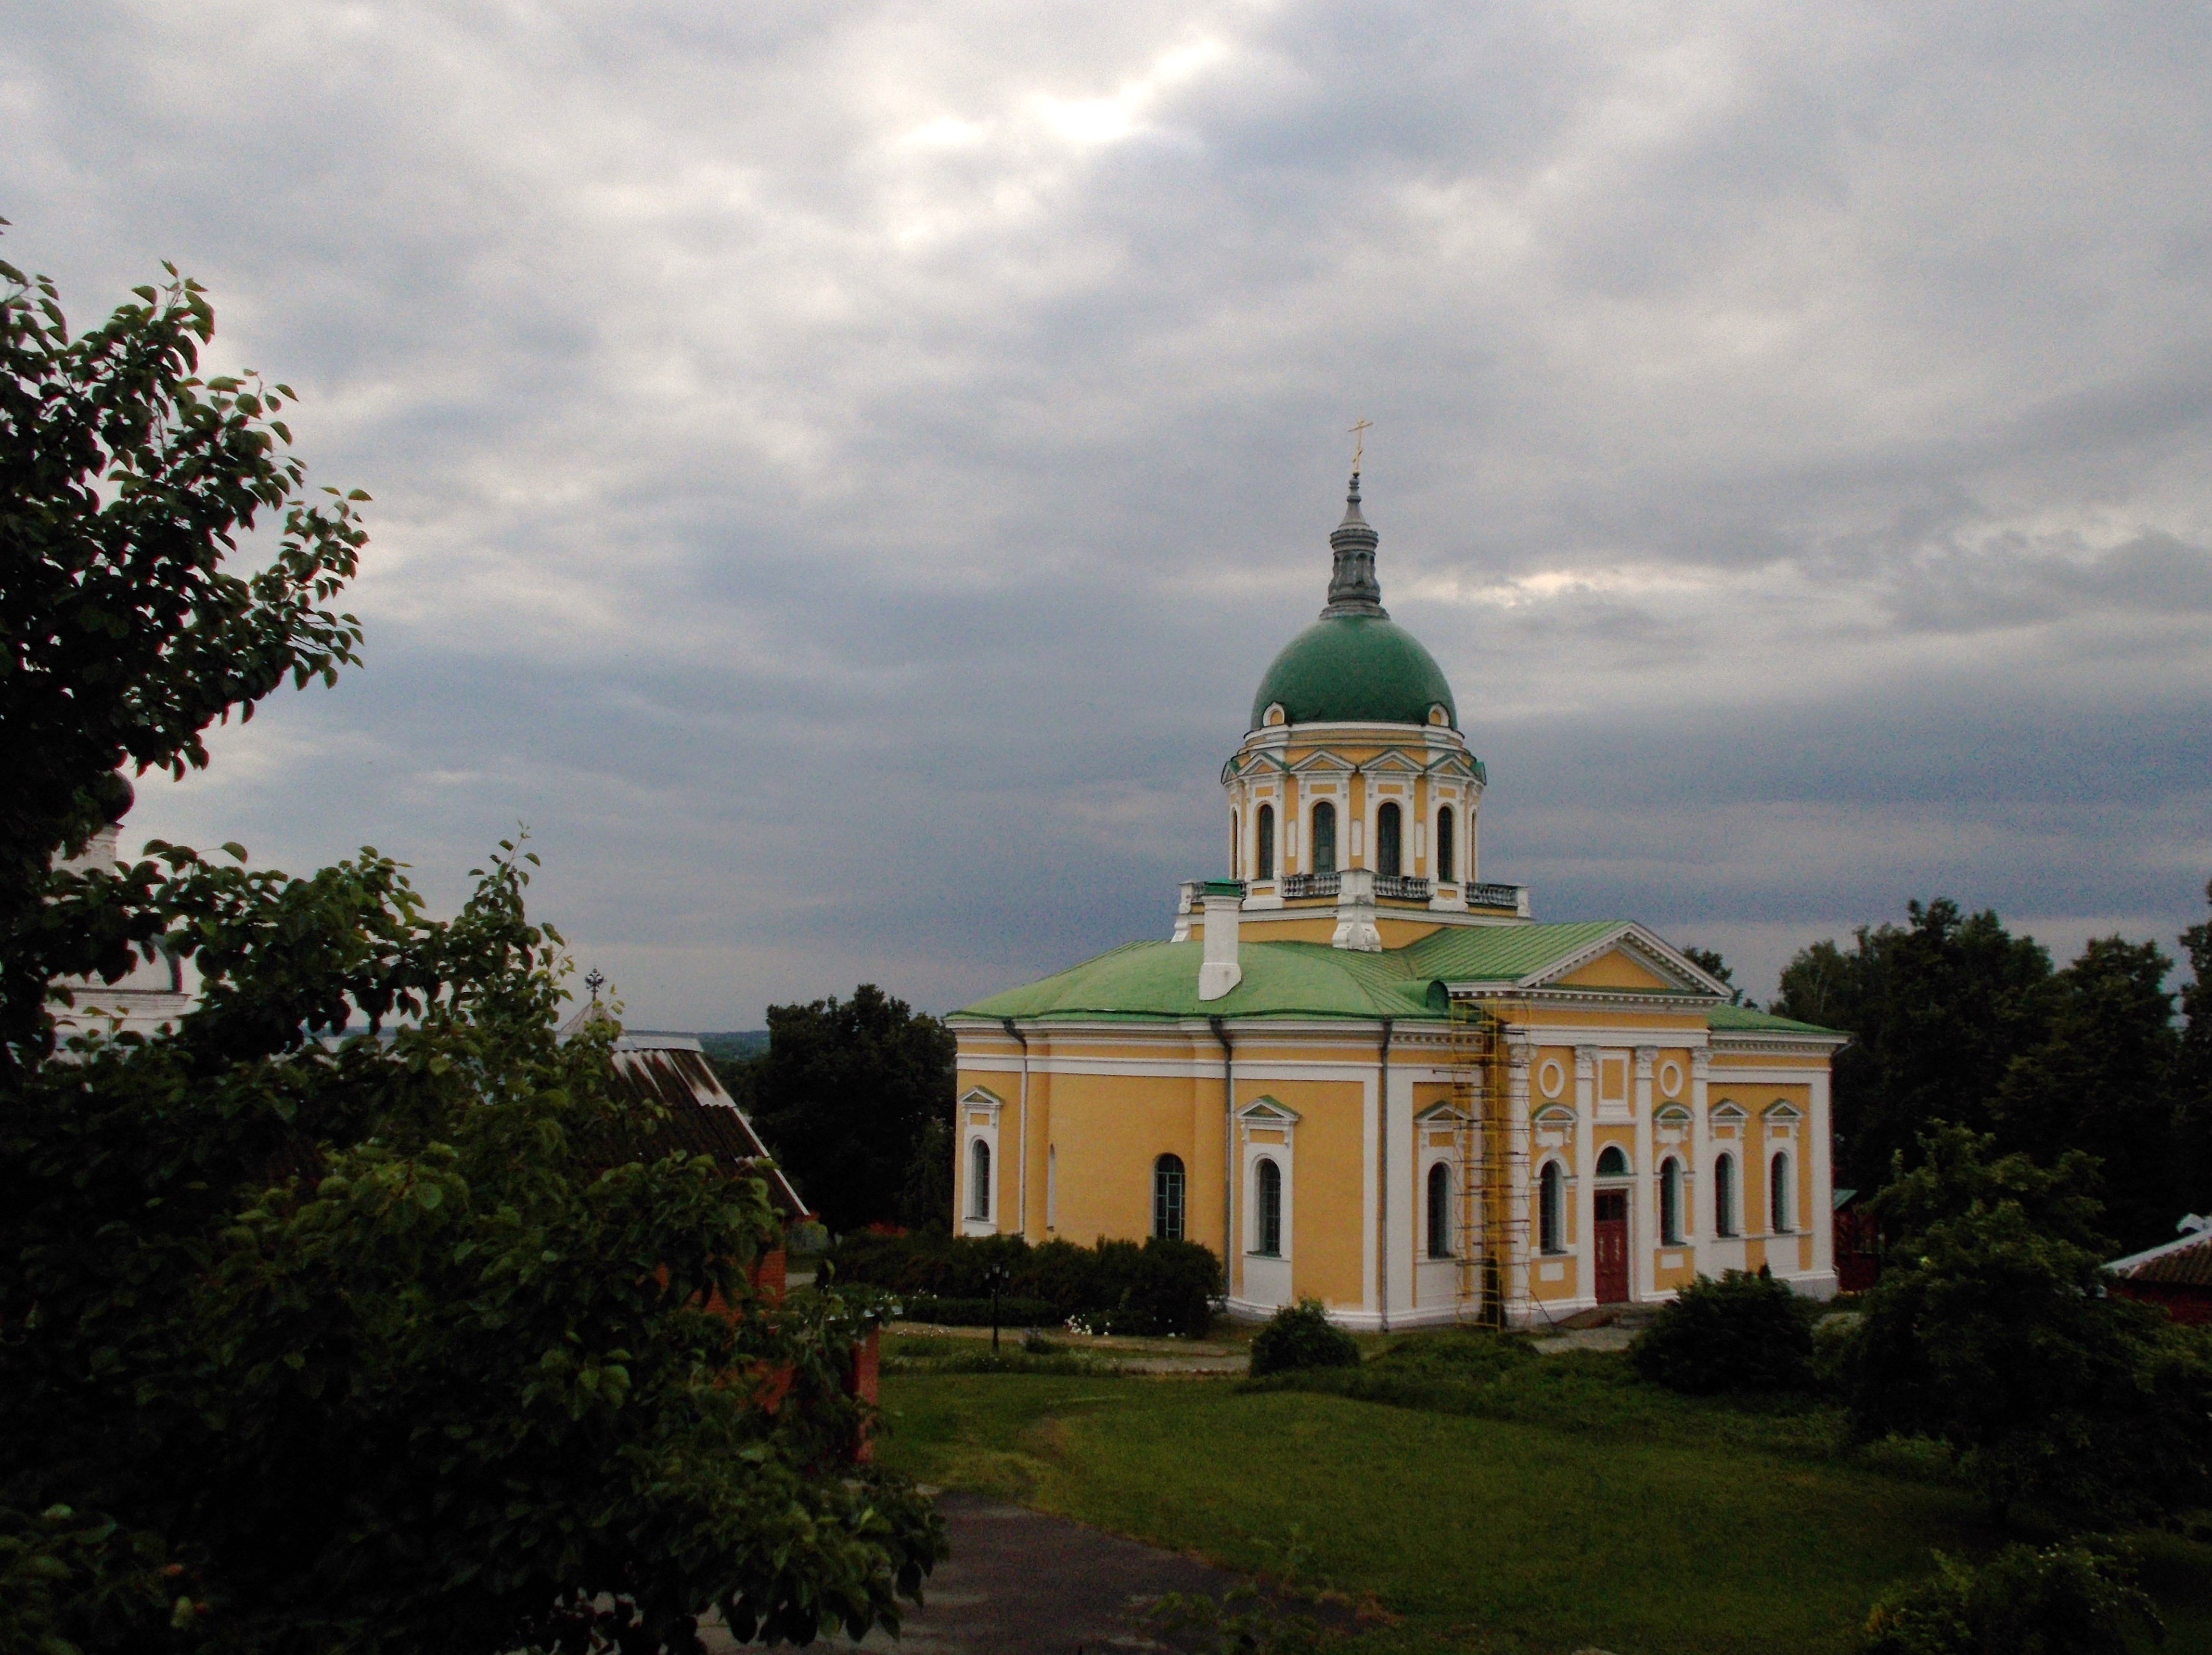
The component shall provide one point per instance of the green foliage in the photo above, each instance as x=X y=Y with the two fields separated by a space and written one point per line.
x=1988 y=1330
x=1149 y=1289
x=926 y=1198
x=978 y=1312
x=2193 y=1067
x=2099 y=1080
x=1299 y=1336
x=1940 y=1008
x=844 y=1095
x=1241 y=1624
x=419 y=1341
x=2071 y=1599
x=399 y=1342
x=126 y=480
x=1743 y=1332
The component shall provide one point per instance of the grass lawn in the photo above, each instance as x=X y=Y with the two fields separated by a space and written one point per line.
x=1657 y=1524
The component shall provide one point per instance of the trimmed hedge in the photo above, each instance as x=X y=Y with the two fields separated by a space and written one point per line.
x=1158 y=1288
x=977 y=1312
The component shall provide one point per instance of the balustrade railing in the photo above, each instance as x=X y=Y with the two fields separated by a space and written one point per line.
x=1310 y=885
x=1402 y=886
x=1494 y=896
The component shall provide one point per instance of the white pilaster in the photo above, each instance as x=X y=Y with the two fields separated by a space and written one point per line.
x=1820 y=1146
x=1644 y=1208
x=1701 y=1160
x=1585 y=1186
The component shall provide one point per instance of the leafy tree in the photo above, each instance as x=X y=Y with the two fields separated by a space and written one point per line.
x=1988 y=1330
x=125 y=484
x=1941 y=1007
x=844 y=1096
x=418 y=1341
x=2100 y=1079
x=2192 y=1068
x=1709 y=961
x=926 y=1198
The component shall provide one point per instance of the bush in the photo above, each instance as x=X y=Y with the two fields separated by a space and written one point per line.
x=977 y=1312
x=2070 y=1598
x=1301 y=1335
x=1170 y=1291
x=1159 y=1288
x=1740 y=1333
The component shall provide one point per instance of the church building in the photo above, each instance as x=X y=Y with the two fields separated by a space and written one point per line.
x=1363 y=1074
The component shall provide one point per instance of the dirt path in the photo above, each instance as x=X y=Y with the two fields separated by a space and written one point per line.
x=1021 y=1583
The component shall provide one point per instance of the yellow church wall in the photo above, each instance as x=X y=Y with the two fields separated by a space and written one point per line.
x=1105 y=1131
x=1328 y=1187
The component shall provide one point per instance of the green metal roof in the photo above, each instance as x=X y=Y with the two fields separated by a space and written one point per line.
x=1281 y=979
x=1743 y=1019
x=1501 y=953
x=1354 y=669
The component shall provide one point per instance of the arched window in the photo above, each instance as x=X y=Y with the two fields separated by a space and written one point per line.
x=979 y=1179
x=1324 y=838
x=1670 y=1203
x=1263 y=858
x=1447 y=864
x=1551 y=1209
x=1267 y=1208
x=1167 y=1198
x=1440 y=1211
x=1777 y=1202
x=1387 y=846
x=1725 y=1196
x=1610 y=1163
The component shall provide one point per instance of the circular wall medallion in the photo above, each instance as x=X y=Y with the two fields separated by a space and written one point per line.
x=1670 y=1078
x=1551 y=1077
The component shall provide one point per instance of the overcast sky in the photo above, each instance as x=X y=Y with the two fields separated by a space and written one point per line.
x=839 y=472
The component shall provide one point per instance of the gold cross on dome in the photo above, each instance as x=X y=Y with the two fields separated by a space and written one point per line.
x=1359 y=440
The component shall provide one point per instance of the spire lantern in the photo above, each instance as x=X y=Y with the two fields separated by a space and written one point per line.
x=1352 y=588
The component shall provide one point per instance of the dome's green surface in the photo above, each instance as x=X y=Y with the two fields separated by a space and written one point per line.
x=1355 y=669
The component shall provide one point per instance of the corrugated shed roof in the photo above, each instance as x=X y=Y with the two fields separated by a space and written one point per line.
x=2185 y=1263
x=700 y=1118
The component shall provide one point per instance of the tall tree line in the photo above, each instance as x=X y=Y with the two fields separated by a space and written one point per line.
x=1957 y=1019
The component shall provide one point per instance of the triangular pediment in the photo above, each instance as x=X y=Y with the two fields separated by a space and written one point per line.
x=1268 y=1111
x=1629 y=959
x=1323 y=760
x=1393 y=763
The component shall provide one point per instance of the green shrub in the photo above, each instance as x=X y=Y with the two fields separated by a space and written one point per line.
x=1740 y=1333
x=1161 y=1286
x=977 y=1312
x=1301 y=1335
x=1170 y=1291
x=2070 y=1599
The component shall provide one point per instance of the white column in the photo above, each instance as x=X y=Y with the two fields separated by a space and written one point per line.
x=1405 y=1188
x=1701 y=1157
x=1585 y=1248
x=1643 y=1210
x=1370 y=1189
x=1820 y=1146
x=1517 y=1047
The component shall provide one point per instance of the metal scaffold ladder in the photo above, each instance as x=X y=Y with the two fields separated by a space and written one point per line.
x=1493 y=1160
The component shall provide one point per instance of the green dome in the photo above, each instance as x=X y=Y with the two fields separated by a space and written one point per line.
x=1355 y=669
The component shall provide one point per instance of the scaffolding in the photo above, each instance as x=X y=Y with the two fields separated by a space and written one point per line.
x=1493 y=1166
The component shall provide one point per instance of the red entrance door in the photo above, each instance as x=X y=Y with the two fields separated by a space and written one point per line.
x=1612 y=1240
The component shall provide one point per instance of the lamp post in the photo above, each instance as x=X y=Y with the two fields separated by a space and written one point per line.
x=997 y=1275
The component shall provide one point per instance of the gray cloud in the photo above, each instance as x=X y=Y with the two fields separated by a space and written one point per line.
x=839 y=474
